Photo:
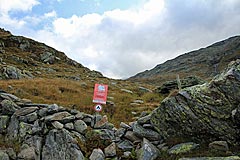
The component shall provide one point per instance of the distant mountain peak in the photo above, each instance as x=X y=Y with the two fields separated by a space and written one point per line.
x=205 y=63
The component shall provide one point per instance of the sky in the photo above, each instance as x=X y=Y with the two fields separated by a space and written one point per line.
x=121 y=38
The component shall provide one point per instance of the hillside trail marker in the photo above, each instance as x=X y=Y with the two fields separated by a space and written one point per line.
x=100 y=96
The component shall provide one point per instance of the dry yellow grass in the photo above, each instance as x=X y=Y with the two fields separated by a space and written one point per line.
x=78 y=95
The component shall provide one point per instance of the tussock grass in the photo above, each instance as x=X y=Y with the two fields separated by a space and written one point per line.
x=75 y=95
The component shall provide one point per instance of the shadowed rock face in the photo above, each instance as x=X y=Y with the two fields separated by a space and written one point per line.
x=205 y=112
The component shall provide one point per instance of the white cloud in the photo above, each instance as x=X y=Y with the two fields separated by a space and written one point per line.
x=18 y=5
x=51 y=14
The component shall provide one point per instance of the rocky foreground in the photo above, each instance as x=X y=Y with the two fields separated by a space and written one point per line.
x=200 y=121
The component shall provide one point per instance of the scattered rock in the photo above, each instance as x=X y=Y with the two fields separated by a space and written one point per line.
x=127 y=91
x=110 y=151
x=97 y=154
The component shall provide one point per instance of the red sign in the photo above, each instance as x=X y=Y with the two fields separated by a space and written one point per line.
x=100 y=93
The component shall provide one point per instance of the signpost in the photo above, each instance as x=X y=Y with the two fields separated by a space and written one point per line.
x=100 y=96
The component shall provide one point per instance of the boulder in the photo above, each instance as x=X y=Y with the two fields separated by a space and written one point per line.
x=202 y=111
x=80 y=126
x=148 y=151
x=11 y=72
x=150 y=134
x=97 y=154
x=59 y=145
x=110 y=151
x=166 y=87
x=8 y=107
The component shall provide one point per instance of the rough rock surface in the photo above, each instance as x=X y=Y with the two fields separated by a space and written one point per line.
x=202 y=111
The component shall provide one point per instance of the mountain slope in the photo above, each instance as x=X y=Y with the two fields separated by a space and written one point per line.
x=22 y=57
x=205 y=63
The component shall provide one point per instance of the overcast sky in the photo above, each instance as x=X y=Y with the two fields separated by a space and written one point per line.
x=122 y=37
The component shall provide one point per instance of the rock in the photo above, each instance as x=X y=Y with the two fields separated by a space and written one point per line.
x=126 y=154
x=147 y=133
x=125 y=145
x=183 y=148
x=48 y=57
x=69 y=126
x=144 y=120
x=212 y=158
x=43 y=112
x=57 y=125
x=4 y=120
x=97 y=154
x=25 y=129
x=127 y=91
x=8 y=107
x=203 y=111
x=124 y=125
x=101 y=122
x=68 y=119
x=138 y=101
x=166 y=87
x=11 y=153
x=27 y=154
x=148 y=151
x=120 y=132
x=31 y=117
x=57 y=116
x=52 y=108
x=219 y=145
x=80 y=126
x=26 y=110
x=131 y=136
x=144 y=90
x=110 y=151
x=12 y=130
x=3 y=155
x=59 y=145
x=10 y=72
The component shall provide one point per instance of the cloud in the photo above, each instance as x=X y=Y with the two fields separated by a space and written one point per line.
x=17 y=5
x=121 y=43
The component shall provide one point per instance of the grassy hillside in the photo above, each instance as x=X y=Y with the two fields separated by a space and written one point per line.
x=78 y=95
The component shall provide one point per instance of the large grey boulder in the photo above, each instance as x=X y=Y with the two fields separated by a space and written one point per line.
x=59 y=144
x=202 y=111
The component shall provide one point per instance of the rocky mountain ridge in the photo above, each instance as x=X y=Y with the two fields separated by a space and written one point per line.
x=22 y=57
x=204 y=63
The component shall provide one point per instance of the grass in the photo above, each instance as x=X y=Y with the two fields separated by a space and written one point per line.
x=78 y=95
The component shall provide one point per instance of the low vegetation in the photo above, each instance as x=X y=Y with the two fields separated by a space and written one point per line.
x=78 y=95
